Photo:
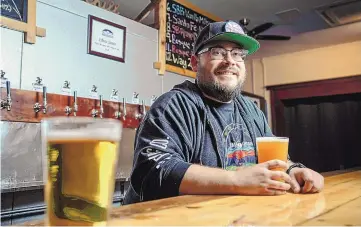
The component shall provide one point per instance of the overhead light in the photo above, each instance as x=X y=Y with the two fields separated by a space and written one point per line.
x=289 y=16
x=341 y=12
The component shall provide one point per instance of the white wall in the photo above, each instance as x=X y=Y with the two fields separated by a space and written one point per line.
x=171 y=79
x=254 y=81
x=335 y=61
x=11 y=52
x=62 y=55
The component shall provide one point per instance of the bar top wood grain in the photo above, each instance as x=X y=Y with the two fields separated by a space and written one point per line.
x=338 y=204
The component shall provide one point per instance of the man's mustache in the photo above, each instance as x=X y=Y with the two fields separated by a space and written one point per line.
x=229 y=69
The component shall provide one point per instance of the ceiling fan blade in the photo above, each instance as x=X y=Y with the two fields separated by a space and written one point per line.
x=272 y=37
x=261 y=28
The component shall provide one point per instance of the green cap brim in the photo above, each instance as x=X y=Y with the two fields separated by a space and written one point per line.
x=247 y=42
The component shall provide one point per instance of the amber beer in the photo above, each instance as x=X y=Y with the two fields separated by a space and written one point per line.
x=269 y=148
x=81 y=158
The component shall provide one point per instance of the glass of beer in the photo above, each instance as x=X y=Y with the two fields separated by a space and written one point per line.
x=80 y=156
x=269 y=148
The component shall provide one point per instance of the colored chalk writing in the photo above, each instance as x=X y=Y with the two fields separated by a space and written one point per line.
x=182 y=27
x=14 y=9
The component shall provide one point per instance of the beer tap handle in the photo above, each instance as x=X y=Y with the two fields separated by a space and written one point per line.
x=117 y=113
x=75 y=105
x=37 y=106
x=68 y=109
x=7 y=103
x=95 y=112
x=8 y=96
x=8 y=89
x=124 y=109
x=101 y=106
x=144 y=111
x=45 y=102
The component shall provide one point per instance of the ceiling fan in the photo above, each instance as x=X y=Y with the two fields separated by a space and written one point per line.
x=259 y=29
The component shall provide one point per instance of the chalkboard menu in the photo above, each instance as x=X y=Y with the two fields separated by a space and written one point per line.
x=15 y=9
x=183 y=25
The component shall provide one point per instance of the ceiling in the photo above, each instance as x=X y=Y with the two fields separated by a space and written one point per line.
x=307 y=28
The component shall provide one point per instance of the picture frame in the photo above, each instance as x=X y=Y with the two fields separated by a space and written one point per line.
x=106 y=39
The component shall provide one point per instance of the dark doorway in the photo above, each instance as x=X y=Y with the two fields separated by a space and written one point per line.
x=323 y=121
x=325 y=132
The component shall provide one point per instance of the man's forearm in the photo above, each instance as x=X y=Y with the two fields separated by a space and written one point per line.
x=205 y=180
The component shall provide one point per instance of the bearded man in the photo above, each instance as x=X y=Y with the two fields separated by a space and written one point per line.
x=200 y=138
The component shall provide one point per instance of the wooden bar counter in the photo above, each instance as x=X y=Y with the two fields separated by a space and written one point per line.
x=338 y=204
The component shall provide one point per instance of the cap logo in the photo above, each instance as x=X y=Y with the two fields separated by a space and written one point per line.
x=233 y=27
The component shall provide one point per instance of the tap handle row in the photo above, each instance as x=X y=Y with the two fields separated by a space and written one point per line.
x=37 y=107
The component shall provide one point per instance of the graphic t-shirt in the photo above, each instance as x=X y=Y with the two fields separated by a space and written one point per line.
x=238 y=149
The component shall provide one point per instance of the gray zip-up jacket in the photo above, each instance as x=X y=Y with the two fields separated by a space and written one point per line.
x=171 y=138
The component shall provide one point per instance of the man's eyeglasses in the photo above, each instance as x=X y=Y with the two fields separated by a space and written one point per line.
x=219 y=53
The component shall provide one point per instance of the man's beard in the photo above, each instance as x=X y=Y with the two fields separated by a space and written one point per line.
x=218 y=91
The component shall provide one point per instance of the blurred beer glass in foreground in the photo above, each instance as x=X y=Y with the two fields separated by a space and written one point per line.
x=79 y=169
x=269 y=148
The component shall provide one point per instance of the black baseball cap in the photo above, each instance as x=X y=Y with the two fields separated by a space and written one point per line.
x=225 y=31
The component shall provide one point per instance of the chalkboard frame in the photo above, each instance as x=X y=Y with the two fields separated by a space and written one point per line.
x=29 y=27
x=162 y=36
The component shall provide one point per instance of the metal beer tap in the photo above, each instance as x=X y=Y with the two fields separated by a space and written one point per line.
x=118 y=114
x=124 y=109
x=68 y=109
x=75 y=105
x=38 y=106
x=101 y=106
x=101 y=110
x=142 y=113
x=6 y=103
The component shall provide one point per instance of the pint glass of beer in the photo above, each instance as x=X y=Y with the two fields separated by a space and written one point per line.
x=80 y=156
x=269 y=148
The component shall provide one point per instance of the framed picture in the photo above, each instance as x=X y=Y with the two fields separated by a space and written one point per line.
x=106 y=39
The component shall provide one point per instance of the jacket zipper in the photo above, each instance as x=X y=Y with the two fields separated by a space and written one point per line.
x=220 y=157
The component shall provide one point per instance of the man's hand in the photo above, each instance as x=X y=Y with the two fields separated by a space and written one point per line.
x=260 y=180
x=304 y=180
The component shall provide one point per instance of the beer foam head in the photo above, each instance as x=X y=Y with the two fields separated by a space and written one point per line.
x=81 y=128
x=272 y=139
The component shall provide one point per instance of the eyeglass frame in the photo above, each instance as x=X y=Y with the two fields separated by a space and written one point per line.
x=207 y=49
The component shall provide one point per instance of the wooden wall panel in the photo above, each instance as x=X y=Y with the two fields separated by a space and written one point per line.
x=22 y=109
